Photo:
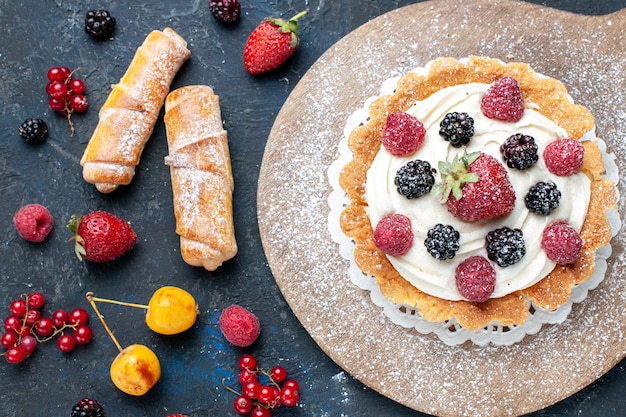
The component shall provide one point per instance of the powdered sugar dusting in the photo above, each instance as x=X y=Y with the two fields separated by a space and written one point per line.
x=418 y=370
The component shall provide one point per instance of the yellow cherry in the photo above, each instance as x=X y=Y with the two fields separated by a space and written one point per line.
x=135 y=370
x=171 y=310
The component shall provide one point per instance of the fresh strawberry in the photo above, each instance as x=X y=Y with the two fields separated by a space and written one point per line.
x=475 y=279
x=503 y=101
x=479 y=185
x=101 y=236
x=271 y=43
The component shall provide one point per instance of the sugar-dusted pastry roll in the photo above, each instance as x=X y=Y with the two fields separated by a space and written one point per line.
x=128 y=116
x=202 y=179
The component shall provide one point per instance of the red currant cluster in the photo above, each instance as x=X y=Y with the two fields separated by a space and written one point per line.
x=26 y=327
x=263 y=391
x=67 y=94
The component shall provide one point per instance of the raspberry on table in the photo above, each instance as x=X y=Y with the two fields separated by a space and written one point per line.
x=505 y=246
x=33 y=222
x=442 y=241
x=564 y=157
x=457 y=128
x=394 y=235
x=414 y=179
x=239 y=325
x=561 y=243
x=542 y=198
x=33 y=130
x=403 y=134
x=225 y=11
x=519 y=151
x=99 y=24
x=475 y=279
x=503 y=101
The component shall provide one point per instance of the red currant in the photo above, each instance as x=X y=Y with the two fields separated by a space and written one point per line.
x=77 y=86
x=289 y=396
x=59 y=318
x=248 y=362
x=9 y=339
x=82 y=334
x=58 y=73
x=28 y=343
x=250 y=388
x=57 y=89
x=278 y=373
x=78 y=102
x=247 y=376
x=242 y=404
x=13 y=323
x=18 y=307
x=292 y=383
x=24 y=330
x=267 y=394
x=57 y=104
x=44 y=327
x=32 y=317
x=260 y=411
x=15 y=354
x=66 y=343
x=78 y=316
x=36 y=300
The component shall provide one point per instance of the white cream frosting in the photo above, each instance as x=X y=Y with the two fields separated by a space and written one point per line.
x=434 y=276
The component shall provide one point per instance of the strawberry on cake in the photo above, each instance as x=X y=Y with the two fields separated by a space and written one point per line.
x=476 y=192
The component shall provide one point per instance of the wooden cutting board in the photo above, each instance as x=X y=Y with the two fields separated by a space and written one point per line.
x=588 y=54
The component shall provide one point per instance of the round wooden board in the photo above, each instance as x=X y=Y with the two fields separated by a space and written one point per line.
x=420 y=371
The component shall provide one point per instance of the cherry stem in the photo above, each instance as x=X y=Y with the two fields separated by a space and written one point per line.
x=122 y=303
x=91 y=300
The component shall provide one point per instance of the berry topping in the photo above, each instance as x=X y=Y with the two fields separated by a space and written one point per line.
x=239 y=326
x=505 y=246
x=87 y=407
x=564 y=157
x=542 y=198
x=226 y=11
x=442 y=241
x=503 y=101
x=394 y=235
x=561 y=243
x=403 y=134
x=479 y=185
x=99 y=24
x=519 y=151
x=475 y=279
x=33 y=222
x=457 y=128
x=33 y=130
x=414 y=179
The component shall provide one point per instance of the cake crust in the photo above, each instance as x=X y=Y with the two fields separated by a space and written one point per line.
x=549 y=97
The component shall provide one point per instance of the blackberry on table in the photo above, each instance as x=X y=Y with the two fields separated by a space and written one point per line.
x=442 y=241
x=457 y=128
x=414 y=179
x=542 y=198
x=87 y=407
x=505 y=246
x=226 y=11
x=33 y=130
x=519 y=151
x=99 y=24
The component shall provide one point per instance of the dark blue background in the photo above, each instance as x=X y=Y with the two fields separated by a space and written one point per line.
x=35 y=35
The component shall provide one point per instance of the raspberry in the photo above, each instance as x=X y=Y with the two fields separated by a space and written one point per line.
x=564 y=157
x=239 y=326
x=542 y=198
x=226 y=11
x=33 y=130
x=33 y=222
x=561 y=243
x=503 y=101
x=505 y=246
x=519 y=151
x=457 y=128
x=475 y=279
x=87 y=407
x=394 y=235
x=414 y=179
x=403 y=134
x=442 y=242
x=99 y=24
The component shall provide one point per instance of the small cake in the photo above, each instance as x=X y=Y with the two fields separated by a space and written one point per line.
x=476 y=192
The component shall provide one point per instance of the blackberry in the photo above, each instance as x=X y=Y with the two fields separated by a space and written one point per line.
x=99 y=24
x=226 y=11
x=519 y=151
x=542 y=198
x=87 y=407
x=33 y=130
x=442 y=242
x=457 y=128
x=505 y=246
x=414 y=179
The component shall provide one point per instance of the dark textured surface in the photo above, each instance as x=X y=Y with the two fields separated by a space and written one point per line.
x=36 y=35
